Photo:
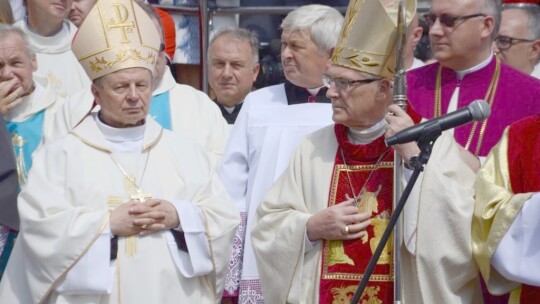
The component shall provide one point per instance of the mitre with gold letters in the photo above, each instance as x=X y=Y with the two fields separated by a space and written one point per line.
x=116 y=35
x=368 y=38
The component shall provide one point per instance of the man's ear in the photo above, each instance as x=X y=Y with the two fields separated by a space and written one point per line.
x=96 y=93
x=489 y=26
x=385 y=90
x=256 y=70
x=385 y=85
x=331 y=52
x=417 y=35
x=534 y=55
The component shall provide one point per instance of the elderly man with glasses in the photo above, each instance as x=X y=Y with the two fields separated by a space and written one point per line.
x=320 y=223
x=518 y=43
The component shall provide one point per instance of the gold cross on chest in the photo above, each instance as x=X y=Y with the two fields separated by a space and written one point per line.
x=121 y=17
x=140 y=196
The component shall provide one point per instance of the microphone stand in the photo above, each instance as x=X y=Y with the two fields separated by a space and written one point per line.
x=425 y=143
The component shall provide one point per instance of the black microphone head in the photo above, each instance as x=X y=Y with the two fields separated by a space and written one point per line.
x=480 y=109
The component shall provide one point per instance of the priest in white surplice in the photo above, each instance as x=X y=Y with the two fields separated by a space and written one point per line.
x=317 y=228
x=28 y=104
x=270 y=125
x=120 y=210
x=50 y=35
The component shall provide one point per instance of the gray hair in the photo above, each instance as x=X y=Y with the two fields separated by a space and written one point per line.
x=323 y=23
x=98 y=82
x=492 y=8
x=6 y=29
x=533 y=12
x=237 y=33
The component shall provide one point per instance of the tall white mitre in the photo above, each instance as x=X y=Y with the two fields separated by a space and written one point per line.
x=112 y=38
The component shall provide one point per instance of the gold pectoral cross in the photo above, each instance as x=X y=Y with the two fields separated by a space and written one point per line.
x=18 y=142
x=140 y=196
x=137 y=195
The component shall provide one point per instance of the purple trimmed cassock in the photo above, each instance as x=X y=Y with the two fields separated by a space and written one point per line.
x=517 y=95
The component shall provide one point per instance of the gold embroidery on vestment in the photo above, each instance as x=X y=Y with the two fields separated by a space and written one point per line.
x=379 y=226
x=337 y=255
x=344 y=295
x=18 y=142
x=334 y=250
x=368 y=203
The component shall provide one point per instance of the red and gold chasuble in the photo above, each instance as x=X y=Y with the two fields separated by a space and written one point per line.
x=524 y=168
x=366 y=170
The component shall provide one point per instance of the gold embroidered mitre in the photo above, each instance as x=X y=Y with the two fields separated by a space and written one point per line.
x=116 y=35
x=368 y=39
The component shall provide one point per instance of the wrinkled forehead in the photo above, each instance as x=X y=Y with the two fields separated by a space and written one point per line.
x=298 y=34
x=13 y=44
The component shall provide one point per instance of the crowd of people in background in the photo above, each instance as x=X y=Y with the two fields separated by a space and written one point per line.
x=119 y=183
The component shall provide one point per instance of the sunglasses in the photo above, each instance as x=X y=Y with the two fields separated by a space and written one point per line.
x=446 y=20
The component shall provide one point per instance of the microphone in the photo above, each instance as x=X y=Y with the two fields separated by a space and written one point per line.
x=478 y=110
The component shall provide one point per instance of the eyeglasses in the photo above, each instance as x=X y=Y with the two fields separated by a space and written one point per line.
x=504 y=42
x=344 y=85
x=448 y=21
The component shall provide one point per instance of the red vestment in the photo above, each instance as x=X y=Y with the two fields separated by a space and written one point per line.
x=524 y=168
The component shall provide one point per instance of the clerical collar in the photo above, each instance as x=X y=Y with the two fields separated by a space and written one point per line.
x=461 y=74
x=366 y=136
x=122 y=140
x=315 y=91
x=299 y=95
x=231 y=109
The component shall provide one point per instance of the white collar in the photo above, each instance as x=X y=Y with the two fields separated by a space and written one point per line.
x=461 y=74
x=120 y=138
x=314 y=91
x=365 y=136
x=231 y=109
